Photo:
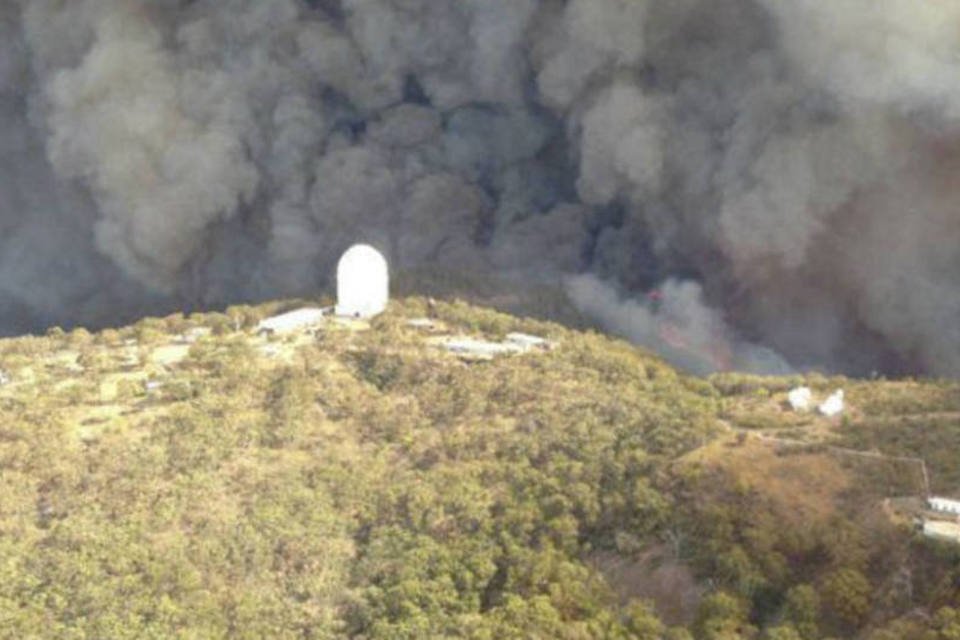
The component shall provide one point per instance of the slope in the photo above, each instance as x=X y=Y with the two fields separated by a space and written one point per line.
x=185 y=477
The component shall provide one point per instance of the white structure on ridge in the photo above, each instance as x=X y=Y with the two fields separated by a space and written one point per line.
x=944 y=505
x=800 y=398
x=832 y=405
x=948 y=531
x=480 y=348
x=291 y=321
x=527 y=341
x=363 y=282
x=473 y=349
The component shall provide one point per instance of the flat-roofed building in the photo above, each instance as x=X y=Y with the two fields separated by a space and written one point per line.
x=941 y=530
x=944 y=505
x=291 y=321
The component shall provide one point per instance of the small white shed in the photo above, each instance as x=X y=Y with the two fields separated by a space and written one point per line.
x=363 y=282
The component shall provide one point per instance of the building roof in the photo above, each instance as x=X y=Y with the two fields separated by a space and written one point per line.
x=948 y=505
x=942 y=530
x=291 y=321
x=528 y=341
x=481 y=348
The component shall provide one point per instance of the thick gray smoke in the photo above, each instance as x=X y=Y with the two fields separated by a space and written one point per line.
x=782 y=173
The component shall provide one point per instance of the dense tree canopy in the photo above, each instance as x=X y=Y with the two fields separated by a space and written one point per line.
x=165 y=480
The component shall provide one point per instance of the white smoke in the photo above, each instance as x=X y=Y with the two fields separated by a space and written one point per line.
x=897 y=54
x=161 y=152
x=784 y=172
x=620 y=147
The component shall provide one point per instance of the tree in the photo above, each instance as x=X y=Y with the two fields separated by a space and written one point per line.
x=946 y=623
x=848 y=593
x=802 y=609
x=722 y=617
x=782 y=632
x=642 y=623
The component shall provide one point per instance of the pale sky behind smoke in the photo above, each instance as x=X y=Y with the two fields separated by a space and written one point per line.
x=788 y=169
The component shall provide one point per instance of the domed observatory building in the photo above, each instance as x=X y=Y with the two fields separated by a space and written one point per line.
x=363 y=282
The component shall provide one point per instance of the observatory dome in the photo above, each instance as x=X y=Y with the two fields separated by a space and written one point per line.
x=362 y=282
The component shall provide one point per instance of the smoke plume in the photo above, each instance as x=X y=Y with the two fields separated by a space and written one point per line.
x=778 y=174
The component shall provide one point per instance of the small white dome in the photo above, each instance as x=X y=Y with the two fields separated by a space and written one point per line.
x=363 y=282
x=832 y=405
x=800 y=398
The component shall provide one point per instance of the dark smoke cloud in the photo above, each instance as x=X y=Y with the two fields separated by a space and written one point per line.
x=784 y=173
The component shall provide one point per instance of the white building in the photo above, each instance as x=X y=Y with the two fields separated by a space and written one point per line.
x=291 y=321
x=363 y=282
x=473 y=349
x=944 y=505
x=948 y=531
x=833 y=405
x=527 y=341
x=800 y=398
x=424 y=324
x=480 y=348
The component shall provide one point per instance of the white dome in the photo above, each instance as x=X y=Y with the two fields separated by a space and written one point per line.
x=362 y=282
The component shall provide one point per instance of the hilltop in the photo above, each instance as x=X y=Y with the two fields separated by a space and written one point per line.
x=186 y=477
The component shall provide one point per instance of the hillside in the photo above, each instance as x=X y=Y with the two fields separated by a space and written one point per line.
x=185 y=477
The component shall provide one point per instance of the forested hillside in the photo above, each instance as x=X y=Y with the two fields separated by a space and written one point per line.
x=187 y=478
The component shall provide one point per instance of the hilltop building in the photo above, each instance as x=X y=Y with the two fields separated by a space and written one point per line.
x=800 y=398
x=291 y=321
x=942 y=520
x=940 y=530
x=527 y=342
x=363 y=282
x=944 y=506
x=474 y=349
